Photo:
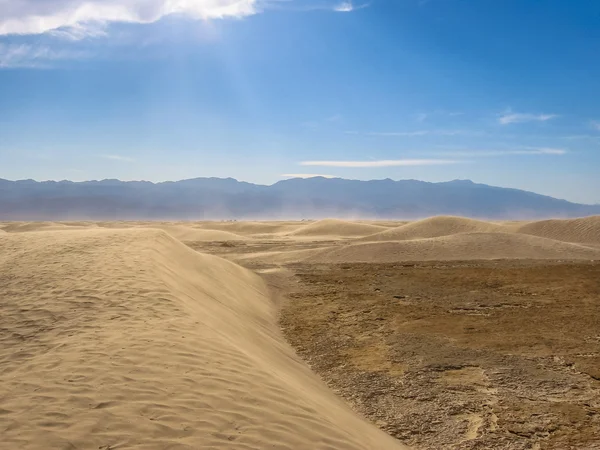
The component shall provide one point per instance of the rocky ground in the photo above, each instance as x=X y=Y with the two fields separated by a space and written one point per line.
x=457 y=355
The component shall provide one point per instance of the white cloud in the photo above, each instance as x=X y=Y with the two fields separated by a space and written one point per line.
x=305 y=175
x=382 y=163
x=490 y=153
x=546 y=151
x=423 y=116
x=595 y=125
x=509 y=117
x=348 y=6
x=118 y=158
x=34 y=56
x=344 y=7
x=83 y=16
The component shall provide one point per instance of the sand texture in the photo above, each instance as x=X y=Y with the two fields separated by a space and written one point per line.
x=337 y=228
x=253 y=228
x=115 y=339
x=435 y=227
x=459 y=247
x=585 y=230
x=186 y=233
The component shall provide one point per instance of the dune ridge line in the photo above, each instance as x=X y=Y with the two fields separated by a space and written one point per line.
x=128 y=338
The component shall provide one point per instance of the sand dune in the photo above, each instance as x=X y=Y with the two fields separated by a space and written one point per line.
x=459 y=247
x=23 y=227
x=435 y=227
x=180 y=231
x=187 y=233
x=129 y=339
x=584 y=230
x=252 y=228
x=336 y=228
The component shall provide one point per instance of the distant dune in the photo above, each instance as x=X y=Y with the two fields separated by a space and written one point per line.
x=459 y=247
x=22 y=227
x=435 y=227
x=584 y=230
x=253 y=228
x=337 y=228
x=130 y=339
x=187 y=233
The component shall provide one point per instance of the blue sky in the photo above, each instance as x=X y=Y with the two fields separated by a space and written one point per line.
x=500 y=92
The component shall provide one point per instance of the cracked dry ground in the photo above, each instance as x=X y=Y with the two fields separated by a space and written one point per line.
x=458 y=355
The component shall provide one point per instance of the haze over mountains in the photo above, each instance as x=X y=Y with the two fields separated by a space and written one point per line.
x=313 y=198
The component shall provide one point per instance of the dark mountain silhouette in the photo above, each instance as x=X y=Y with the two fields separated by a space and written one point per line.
x=218 y=198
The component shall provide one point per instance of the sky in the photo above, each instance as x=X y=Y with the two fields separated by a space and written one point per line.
x=499 y=92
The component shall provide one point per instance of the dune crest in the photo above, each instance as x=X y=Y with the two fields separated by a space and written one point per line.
x=336 y=228
x=459 y=247
x=585 y=230
x=435 y=227
x=128 y=338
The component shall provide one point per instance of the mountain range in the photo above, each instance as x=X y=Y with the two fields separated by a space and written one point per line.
x=312 y=198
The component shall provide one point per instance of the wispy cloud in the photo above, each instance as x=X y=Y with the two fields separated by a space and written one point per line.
x=423 y=116
x=545 y=151
x=595 y=124
x=381 y=163
x=348 y=6
x=37 y=17
x=516 y=152
x=510 y=117
x=305 y=175
x=426 y=133
x=34 y=56
x=118 y=158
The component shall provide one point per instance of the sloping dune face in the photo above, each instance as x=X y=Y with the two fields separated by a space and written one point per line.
x=337 y=228
x=584 y=230
x=435 y=227
x=459 y=247
x=128 y=339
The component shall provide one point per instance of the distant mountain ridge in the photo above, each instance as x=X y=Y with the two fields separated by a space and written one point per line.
x=312 y=198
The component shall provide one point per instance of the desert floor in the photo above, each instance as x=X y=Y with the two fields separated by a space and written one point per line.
x=443 y=333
